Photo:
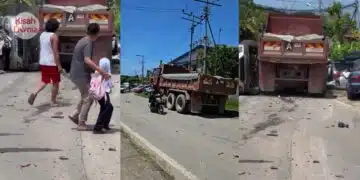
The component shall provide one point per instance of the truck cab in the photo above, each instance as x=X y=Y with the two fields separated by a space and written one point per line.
x=248 y=67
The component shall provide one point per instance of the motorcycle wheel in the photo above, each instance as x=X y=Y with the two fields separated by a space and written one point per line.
x=152 y=109
x=161 y=109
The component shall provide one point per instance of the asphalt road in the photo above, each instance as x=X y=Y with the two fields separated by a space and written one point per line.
x=307 y=143
x=274 y=137
x=39 y=143
x=205 y=146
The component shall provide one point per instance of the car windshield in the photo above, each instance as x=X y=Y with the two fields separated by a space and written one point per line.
x=341 y=66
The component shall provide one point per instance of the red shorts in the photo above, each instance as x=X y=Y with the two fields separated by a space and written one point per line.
x=49 y=74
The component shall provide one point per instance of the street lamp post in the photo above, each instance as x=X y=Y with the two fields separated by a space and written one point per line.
x=142 y=67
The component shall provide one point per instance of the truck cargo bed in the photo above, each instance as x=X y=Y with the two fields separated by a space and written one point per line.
x=199 y=83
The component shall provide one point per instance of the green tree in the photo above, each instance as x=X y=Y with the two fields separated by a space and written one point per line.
x=252 y=18
x=116 y=12
x=337 y=25
x=222 y=61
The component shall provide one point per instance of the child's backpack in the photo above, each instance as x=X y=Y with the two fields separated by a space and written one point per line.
x=97 y=87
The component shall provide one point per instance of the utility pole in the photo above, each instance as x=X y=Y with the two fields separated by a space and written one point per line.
x=320 y=5
x=206 y=14
x=194 y=23
x=219 y=35
x=142 y=67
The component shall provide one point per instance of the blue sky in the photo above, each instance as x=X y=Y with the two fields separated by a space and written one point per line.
x=298 y=4
x=155 y=29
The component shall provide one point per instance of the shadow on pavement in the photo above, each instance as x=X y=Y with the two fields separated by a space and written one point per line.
x=212 y=115
x=46 y=107
x=11 y=134
x=90 y=127
x=254 y=161
x=328 y=95
x=15 y=150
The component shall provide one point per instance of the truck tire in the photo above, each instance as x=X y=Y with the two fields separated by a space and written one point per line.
x=170 y=101
x=181 y=104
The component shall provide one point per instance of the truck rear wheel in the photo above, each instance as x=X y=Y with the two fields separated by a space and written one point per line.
x=170 y=101
x=181 y=104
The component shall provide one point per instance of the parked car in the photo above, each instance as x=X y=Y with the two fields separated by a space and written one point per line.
x=338 y=69
x=148 y=89
x=123 y=88
x=353 y=85
x=138 y=89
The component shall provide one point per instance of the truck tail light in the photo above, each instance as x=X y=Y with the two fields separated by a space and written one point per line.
x=314 y=48
x=272 y=46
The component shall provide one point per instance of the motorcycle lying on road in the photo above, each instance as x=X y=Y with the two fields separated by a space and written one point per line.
x=156 y=103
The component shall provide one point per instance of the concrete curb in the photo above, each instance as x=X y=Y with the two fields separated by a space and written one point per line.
x=168 y=164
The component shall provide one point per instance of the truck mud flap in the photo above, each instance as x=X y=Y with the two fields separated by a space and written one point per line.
x=317 y=79
x=267 y=76
x=195 y=103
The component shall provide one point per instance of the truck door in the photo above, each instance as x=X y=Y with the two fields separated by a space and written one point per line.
x=248 y=66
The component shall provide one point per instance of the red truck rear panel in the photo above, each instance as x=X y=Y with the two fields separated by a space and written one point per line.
x=296 y=25
x=76 y=2
x=311 y=53
x=276 y=50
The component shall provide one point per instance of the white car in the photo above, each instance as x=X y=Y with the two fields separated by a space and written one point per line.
x=123 y=88
x=338 y=72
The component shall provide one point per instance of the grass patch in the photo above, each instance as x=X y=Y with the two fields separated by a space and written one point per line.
x=144 y=95
x=148 y=156
x=232 y=105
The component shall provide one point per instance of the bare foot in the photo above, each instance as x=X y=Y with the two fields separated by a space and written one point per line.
x=54 y=104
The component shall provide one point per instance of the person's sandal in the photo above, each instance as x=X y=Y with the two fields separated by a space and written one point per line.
x=82 y=128
x=74 y=120
x=98 y=131
x=31 y=98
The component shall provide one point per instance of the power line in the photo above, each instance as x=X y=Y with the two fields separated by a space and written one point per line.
x=195 y=20
x=206 y=14
x=148 y=8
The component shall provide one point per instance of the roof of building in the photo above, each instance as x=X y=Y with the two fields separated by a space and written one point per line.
x=186 y=54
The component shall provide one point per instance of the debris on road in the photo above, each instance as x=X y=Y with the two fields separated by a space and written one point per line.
x=339 y=176
x=343 y=125
x=57 y=117
x=273 y=133
x=63 y=158
x=25 y=165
